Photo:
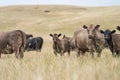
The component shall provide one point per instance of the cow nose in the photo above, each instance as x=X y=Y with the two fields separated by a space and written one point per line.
x=106 y=37
x=90 y=37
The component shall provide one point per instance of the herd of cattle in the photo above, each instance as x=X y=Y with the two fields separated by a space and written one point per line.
x=85 y=39
x=88 y=39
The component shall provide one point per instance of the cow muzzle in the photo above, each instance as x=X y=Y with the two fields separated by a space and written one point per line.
x=91 y=37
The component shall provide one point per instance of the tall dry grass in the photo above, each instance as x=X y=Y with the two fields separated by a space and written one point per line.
x=45 y=65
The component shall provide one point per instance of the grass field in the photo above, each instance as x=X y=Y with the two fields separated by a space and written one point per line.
x=45 y=65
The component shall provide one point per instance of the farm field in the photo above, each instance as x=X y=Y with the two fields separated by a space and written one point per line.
x=41 y=20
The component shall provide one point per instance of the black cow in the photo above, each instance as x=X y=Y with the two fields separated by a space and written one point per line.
x=34 y=44
x=113 y=41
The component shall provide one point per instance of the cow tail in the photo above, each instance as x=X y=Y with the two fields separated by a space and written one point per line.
x=41 y=44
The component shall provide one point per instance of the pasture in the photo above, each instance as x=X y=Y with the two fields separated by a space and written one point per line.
x=44 y=65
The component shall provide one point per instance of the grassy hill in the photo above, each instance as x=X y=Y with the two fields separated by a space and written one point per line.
x=60 y=19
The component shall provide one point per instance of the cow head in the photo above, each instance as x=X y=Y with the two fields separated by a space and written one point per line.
x=91 y=30
x=29 y=36
x=55 y=37
x=118 y=28
x=107 y=33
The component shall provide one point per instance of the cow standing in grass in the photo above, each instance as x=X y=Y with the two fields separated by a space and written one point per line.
x=96 y=38
x=15 y=40
x=113 y=41
x=89 y=39
x=60 y=45
x=81 y=41
x=72 y=42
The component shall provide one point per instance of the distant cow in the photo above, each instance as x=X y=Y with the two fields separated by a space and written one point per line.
x=89 y=39
x=113 y=41
x=60 y=45
x=28 y=36
x=34 y=44
x=72 y=42
x=16 y=41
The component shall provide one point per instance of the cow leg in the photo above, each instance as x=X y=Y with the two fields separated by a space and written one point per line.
x=83 y=52
x=113 y=52
x=91 y=52
x=16 y=50
x=69 y=52
x=55 y=53
x=61 y=53
x=21 y=52
x=99 y=51
x=99 y=54
x=78 y=53
x=0 y=54
x=118 y=53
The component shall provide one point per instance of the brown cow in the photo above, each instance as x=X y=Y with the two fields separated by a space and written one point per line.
x=60 y=45
x=96 y=38
x=15 y=40
x=89 y=39
x=72 y=42
x=81 y=40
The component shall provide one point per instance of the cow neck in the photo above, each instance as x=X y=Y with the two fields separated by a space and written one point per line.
x=57 y=46
x=110 y=43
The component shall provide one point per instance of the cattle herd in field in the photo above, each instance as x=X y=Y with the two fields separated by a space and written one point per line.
x=85 y=39
x=88 y=39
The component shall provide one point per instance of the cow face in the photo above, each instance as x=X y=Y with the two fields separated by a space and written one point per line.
x=91 y=30
x=55 y=37
x=108 y=34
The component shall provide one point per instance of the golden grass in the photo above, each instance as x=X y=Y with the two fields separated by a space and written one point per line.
x=45 y=65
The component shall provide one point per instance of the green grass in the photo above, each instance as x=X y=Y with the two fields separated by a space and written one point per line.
x=45 y=65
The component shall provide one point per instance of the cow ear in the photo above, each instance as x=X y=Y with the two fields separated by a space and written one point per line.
x=51 y=35
x=31 y=35
x=118 y=28
x=84 y=26
x=97 y=27
x=113 y=31
x=59 y=35
x=63 y=36
x=102 y=31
